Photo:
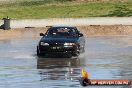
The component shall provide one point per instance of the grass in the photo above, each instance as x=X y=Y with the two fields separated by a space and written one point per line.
x=37 y=9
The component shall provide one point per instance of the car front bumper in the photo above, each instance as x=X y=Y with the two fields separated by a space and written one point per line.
x=58 y=49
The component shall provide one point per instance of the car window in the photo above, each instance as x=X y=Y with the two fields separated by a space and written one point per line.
x=62 y=32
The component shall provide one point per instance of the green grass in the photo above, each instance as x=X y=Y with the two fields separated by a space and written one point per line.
x=35 y=9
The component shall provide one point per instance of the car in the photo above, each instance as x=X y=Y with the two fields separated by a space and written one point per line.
x=61 y=40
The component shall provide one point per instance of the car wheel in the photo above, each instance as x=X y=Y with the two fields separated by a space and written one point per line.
x=38 y=53
x=69 y=55
x=76 y=54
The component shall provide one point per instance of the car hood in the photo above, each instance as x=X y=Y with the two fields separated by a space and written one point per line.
x=59 y=40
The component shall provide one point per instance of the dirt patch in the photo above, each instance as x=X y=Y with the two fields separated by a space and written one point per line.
x=21 y=33
x=106 y=30
x=89 y=30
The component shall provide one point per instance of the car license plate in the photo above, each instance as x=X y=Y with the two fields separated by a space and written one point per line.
x=56 y=47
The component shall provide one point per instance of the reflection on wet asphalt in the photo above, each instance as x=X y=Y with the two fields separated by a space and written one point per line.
x=105 y=58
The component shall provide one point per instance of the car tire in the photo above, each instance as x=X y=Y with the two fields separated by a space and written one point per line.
x=69 y=55
x=38 y=53
x=76 y=54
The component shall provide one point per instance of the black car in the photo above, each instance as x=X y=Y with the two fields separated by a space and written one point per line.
x=61 y=40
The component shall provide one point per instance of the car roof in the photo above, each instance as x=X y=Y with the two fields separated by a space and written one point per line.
x=62 y=27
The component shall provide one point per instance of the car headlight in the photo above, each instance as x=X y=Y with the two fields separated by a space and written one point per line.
x=69 y=44
x=44 y=44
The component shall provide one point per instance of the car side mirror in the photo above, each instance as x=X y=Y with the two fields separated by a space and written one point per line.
x=42 y=34
x=80 y=34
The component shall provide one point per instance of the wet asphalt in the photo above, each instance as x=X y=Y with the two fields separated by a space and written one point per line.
x=104 y=58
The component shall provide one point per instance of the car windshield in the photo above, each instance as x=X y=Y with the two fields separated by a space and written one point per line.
x=68 y=32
